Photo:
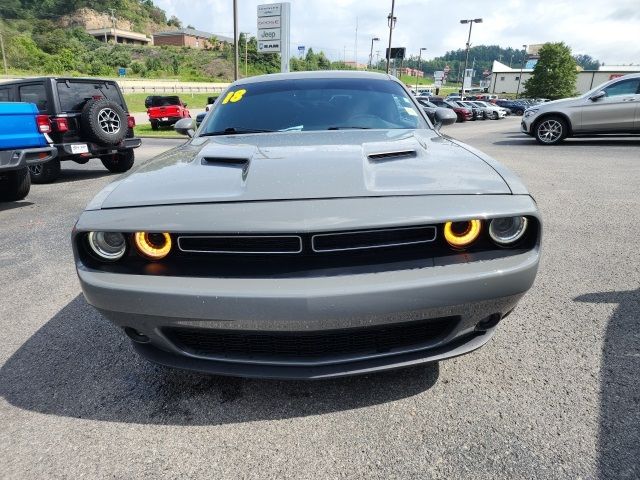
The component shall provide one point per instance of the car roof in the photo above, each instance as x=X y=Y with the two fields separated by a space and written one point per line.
x=37 y=79
x=274 y=77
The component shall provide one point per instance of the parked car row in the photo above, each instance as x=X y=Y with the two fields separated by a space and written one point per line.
x=465 y=110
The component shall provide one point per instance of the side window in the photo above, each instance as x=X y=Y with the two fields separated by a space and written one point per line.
x=625 y=87
x=34 y=94
x=4 y=94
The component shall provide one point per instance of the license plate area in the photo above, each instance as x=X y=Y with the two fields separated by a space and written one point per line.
x=80 y=148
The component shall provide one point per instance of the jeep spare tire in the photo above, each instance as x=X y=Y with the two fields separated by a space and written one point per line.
x=104 y=121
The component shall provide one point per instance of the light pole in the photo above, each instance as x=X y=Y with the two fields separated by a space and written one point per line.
x=235 y=39
x=246 y=52
x=391 y=20
x=524 y=58
x=470 y=21
x=374 y=39
x=418 y=70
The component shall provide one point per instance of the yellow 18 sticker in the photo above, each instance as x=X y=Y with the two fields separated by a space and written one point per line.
x=234 y=97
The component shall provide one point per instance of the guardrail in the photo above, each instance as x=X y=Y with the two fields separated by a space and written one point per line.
x=170 y=89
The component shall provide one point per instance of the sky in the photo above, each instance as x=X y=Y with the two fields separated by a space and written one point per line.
x=608 y=31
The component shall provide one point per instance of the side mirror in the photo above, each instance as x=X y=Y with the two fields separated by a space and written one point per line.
x=185 y=105
x=185 y=126
x=598 y=95
x=444 y=116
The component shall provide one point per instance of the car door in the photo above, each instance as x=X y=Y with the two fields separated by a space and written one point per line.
x=615 y=111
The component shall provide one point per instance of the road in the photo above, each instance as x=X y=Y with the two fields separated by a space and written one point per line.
x=554 y=395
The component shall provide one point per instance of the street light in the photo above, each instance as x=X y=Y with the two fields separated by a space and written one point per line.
x=470 y=21
x=391 y=20
x=374 y=39
x=524 y=58
x=419 y=58
x=246 y=51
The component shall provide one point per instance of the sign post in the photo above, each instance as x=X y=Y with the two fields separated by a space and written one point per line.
x=274 y=31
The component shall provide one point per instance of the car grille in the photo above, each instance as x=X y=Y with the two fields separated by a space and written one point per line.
x=240 y=244
x=293 y=244
x=283 y=346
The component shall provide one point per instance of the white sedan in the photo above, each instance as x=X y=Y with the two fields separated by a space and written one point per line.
x=490 y=110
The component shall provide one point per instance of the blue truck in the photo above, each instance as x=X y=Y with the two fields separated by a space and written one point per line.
x=22 y=144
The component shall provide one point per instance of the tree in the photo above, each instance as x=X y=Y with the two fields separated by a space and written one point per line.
x=555 y=74
x=587 y=62
x=174 y=21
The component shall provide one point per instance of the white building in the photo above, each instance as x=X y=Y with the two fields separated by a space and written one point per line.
x=505 y=79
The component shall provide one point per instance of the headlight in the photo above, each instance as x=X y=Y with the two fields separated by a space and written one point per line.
x=507 y=231
x=108 y=246
x=462 y=234
x=154 y=246
x=530 y=111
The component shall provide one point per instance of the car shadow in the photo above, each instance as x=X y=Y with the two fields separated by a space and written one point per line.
x=79 y=365
x=11 y=205
x=619 y=422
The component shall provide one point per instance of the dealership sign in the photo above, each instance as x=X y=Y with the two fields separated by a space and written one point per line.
x=273 y=31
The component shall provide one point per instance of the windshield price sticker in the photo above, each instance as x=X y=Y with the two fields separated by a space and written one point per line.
x=234 y=97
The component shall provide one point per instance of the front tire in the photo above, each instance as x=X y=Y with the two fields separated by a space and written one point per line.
x=550 y=130
x=15 y=185
x=45 y=172
x=496 y=116
x=119 y=162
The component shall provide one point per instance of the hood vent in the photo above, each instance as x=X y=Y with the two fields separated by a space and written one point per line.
x=386 y=156
x=242 y=163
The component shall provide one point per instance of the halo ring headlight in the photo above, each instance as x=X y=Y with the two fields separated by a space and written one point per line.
x=462 y=234
x=154 y=246
x=109 y=246
x=507 y=230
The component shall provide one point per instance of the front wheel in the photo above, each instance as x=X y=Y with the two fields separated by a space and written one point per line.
x=550 y=130
x=119 y=162
x=496 y=116
x=45 y=172
x=15 y=185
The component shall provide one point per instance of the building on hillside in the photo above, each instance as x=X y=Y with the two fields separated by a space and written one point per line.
x=188 y=37
x=505 y=79
x=412 y=72
x=116 y=35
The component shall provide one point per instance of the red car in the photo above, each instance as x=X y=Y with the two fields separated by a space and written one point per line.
x=463 y=114
x=165 y=111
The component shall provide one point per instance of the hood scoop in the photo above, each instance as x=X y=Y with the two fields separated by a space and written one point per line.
x=388 y=156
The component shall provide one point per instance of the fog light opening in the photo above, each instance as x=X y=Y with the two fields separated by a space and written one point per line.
x=489 y=322
x=136 y=336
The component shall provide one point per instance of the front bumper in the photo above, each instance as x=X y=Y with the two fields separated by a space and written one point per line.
x=470 y=292
x=22 y=158
x=526 y=124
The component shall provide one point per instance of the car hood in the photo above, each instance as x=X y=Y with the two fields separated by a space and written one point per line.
x=305 y=165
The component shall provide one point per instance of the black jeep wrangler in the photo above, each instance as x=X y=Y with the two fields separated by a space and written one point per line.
x=83 y=118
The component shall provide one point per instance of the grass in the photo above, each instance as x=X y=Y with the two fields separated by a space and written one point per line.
x=144 y=130
x=135 y=101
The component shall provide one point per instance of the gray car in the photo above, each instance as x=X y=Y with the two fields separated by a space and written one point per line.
x=316 y=225
x=611 y=108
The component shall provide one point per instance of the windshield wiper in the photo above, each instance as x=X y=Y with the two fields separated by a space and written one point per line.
x=235 y=130
x=349 y=128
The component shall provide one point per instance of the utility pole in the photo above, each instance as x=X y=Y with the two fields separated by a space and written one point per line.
x=246 y=53
x=466 y=60
x=418 y=70
x=391 y=20
x=235 y=39
x=113 y=23
x=374 y=39
x=4 y=58
x=355 y=49
x=524 y=58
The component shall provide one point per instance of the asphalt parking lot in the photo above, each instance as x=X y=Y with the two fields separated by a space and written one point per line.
x=555 y=394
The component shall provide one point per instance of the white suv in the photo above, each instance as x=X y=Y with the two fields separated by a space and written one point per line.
x=613 y=107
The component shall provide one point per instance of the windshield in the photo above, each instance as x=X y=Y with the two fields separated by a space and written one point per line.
x=313 y=104
x=164 y=101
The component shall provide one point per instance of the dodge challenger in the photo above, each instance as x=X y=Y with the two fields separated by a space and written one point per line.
x=315 y=224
